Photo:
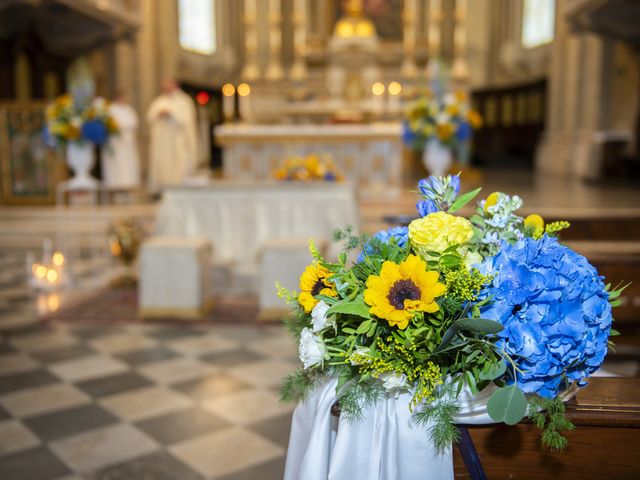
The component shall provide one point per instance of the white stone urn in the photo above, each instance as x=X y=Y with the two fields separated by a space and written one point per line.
x=436 y=157
x=80 y=158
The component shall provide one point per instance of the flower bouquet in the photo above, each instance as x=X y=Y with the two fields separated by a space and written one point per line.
x=490 y=314
x=70 y=121
x=438 y=124
x=79 y=125
x=309 y=168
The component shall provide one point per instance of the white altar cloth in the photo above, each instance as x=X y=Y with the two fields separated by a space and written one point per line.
x=387 y=444
x=239 y=217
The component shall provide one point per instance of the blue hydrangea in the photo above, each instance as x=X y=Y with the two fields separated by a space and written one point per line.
x=399 y=234
x=555 y=310
x=95 y=131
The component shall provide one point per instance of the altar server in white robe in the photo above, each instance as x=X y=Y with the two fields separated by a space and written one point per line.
x=173 y=150
x=120 y=161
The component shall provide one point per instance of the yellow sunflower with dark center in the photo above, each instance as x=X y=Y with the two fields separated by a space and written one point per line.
x=314 y=281
x=403 y=289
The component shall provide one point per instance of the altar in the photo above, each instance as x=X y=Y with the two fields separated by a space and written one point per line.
x=368 y=155
x=240 y=217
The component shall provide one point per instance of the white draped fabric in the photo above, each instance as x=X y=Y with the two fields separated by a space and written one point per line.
x=386 y=444
x=120 y=162
x=173 y=151
x=238 y=218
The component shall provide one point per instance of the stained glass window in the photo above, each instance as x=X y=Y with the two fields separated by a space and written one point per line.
x=197 y=25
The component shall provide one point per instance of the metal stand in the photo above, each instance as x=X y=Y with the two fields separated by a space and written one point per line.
x=469 y=455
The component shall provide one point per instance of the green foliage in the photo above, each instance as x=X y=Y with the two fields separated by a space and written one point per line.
x=548 y=414
x=297 y=385
x=463 y=199
x=439 y=417
x=508 y=405
x=357 y=395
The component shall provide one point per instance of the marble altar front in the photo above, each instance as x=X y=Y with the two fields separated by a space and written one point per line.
x=239 y=218
x=368 y=155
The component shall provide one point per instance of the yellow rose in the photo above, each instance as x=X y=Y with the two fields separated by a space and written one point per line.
x=438 y=231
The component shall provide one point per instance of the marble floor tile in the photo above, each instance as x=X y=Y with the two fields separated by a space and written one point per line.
x=201 y=345
x=281 y=346
x=113 y=384
x=30 y=379
x=276 y=429
x=147 y=355
x=210 y=387
x=16 y=363
x=101 y=447
x=181 y=425
x=14 y=436
x=247 y=406
x=145 y=403
x=157 y=466
x=176 y=370
x=225 y=451
x=263 y=374
x=84 y=368
x=64 y=423
x=44 y=399
x=62 y=354
x=232 y=358
x=122 y=342
x=43 y=341
x=37 y=463
x=271 y=470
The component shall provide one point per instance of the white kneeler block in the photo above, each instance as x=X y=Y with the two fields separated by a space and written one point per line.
x=281 y=261
x=174 y=277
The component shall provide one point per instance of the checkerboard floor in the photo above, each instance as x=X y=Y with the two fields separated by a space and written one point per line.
x=137 y=401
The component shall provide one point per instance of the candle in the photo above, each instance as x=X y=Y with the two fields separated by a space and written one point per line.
x=244 y=101
x=377 y=100
x=394 y=97
x=229 y=102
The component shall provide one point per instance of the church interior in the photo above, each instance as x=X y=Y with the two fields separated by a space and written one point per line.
x=140 y=326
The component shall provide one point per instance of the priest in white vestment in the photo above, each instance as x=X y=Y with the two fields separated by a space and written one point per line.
x=120 y=160
x=173 y=151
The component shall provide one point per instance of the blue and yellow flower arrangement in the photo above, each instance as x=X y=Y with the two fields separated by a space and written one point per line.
x=69 y=120
x=450 y=304
x=310 y=168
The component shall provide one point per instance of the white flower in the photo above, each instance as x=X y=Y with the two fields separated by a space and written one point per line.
x=393 y=381
x=442 y=118
x=449 y=99
x=76 y=121
x=99 y=103
x=471 y=259
x=359 y=356
x=311 y=350
x=319 y=315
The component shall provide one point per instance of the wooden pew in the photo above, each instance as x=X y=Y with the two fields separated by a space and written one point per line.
x=605 y=443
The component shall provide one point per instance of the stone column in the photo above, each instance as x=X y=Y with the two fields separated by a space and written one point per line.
x=250 y=71
x=434 y=30
x=274 y=67
x=299 y=19
x=409 y=38
x=459 y=70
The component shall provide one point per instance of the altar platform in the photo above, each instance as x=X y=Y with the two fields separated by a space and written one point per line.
x=368 y=155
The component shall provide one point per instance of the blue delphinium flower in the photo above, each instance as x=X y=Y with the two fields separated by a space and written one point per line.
x=409 y=137
x=95 y=131
x=438 y=192
x=555 y=311
x=463 y=132
x=399 y=234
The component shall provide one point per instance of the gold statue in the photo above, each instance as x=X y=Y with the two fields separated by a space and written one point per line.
x=354 y=23
x=125 y=237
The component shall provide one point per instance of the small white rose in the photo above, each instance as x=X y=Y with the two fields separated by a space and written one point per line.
x=359 y=356
x=393 y=381
x=319 y=316
x=311 y=350
x=471 y=259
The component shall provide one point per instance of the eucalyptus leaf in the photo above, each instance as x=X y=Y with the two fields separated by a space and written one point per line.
x=508 y=405
x=463 y=199
x=479 y=325
x=364 y=327
x=492 y=371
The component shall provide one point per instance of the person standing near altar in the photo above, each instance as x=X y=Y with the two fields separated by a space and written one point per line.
x=120 y=160
x=173 y=151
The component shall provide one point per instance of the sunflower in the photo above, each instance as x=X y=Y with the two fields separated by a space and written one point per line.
x=314 y=281
x=402 y=290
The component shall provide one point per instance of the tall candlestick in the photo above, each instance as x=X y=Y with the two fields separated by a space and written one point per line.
x=229 y=102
